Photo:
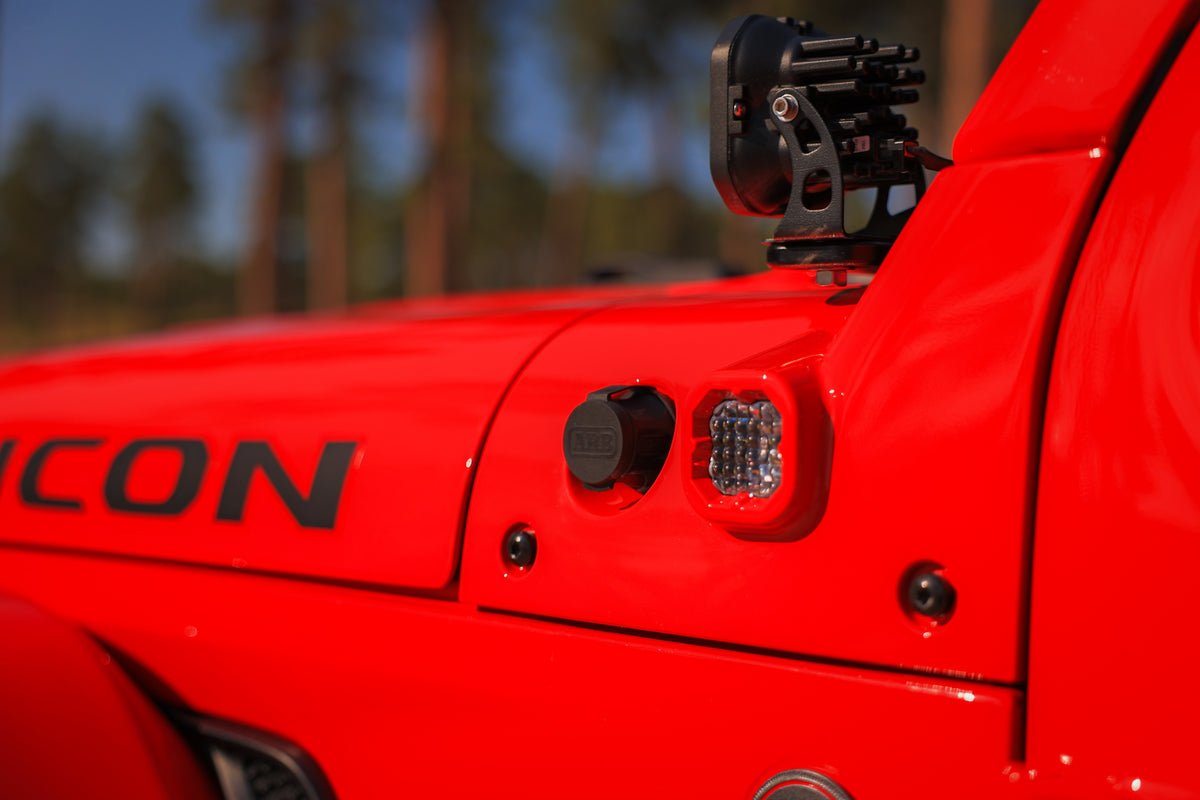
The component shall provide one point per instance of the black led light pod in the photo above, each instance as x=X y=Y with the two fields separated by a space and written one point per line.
x=798 y=119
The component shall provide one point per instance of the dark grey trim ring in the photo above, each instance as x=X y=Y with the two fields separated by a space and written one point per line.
x=819 y=787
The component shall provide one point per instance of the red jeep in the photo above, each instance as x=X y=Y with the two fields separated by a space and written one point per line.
x=919 y=528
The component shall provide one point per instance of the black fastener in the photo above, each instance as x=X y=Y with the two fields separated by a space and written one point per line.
x=931 y=595
x=520 y=548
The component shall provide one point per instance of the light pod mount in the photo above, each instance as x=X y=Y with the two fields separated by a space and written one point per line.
x=798 y=119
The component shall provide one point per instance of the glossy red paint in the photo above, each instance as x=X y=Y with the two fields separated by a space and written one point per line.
x=951 y=305
x=933 y=388
x=414 y=389
x=656 y=564
x=650 y=651
x=1071 y=80
x=1113 y=654
x=72 y=719
x=403 y=697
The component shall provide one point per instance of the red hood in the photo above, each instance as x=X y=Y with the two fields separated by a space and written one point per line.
x=339 y=446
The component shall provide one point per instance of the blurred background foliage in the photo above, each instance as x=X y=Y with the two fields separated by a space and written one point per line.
x=487 y=199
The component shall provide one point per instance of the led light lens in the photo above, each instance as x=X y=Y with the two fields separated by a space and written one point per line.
x=745 y=448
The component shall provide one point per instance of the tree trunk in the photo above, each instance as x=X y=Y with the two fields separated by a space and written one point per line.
x=564 y=229
x=148 y=283
x=436 y=224
x=258 y=279
x=965 y=41
x=327 y=208
x=568 y=202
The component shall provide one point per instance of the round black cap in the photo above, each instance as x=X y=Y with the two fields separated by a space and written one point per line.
x=618 y=432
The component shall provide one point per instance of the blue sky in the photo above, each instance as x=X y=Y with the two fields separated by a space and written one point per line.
x=94 y=63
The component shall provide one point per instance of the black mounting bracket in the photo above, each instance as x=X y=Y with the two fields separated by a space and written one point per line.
x=799 y=119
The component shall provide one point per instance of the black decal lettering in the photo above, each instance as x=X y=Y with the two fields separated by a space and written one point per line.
x=5 y=451
x=187 y=484
x=318 y=510
x=30 y=493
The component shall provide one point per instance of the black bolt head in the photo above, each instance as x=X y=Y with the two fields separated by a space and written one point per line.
x=520 y=548
x=930 y=595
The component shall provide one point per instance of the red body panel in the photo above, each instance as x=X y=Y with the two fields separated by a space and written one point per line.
x=1073 y=77
x=414 y=393
x=71 y=719
x=658 y=646
x=404 y=697
x=950 y=305
x=1113 y=651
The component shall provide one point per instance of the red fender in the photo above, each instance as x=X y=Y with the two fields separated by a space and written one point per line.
x=74 y=723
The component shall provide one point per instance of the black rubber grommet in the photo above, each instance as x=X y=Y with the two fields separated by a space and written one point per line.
x=520 y=548
x=930 y=595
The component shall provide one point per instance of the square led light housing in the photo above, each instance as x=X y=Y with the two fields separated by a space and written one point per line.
x=760 y=444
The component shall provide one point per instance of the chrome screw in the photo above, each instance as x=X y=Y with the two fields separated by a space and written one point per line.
x=785 y=107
